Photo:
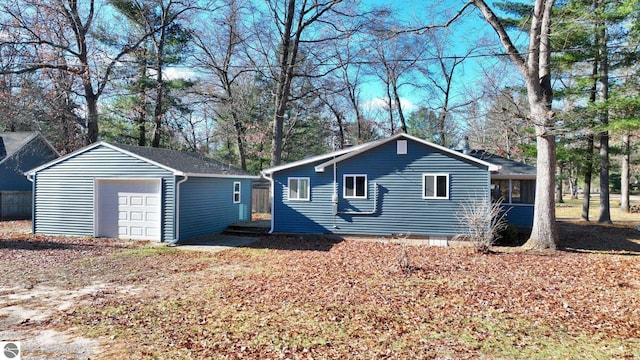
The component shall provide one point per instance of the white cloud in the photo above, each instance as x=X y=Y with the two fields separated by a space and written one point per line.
x=179 y=73
x=174 y=73
x=381 y=104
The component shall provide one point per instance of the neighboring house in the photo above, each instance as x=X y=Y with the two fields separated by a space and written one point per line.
x=398 y=185
x=19 y=152
x=133 y=192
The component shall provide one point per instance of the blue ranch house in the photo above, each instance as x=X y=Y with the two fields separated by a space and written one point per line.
x=397 y=185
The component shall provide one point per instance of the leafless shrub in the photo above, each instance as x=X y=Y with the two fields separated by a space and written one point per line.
x=402 y=261
x=483 y=221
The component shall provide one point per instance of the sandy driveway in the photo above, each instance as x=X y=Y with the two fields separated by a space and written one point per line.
x=28 y=315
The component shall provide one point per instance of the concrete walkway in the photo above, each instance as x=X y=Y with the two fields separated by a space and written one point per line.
x=217 y=243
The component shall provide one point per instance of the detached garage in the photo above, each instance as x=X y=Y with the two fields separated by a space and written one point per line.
x=141 y=193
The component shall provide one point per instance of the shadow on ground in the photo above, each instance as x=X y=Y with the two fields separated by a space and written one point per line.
x=295 y=242
x=580 y=236
x=49 y=244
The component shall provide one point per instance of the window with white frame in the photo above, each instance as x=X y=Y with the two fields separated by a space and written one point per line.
x=355 y=187
x=299 y=188
x=435 y=186
x=236 y=192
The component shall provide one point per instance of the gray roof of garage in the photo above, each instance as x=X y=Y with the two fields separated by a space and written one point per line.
x=183 y=161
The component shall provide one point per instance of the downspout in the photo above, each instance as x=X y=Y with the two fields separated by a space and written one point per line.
x=334 y=196
x=33 y=202
x=174 y=242
x=271 y=192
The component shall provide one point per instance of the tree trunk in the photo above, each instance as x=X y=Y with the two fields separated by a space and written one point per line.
x=603 y=96
x=92 y=115
x=573 y=184
x=353 y=99
x=390 y=109
x=624 y=177
x=544 y=233
x=142 y=105
x=142 y=129
x=396 y=96
x=158 y=113
x=588 y=172
x=287 y=60
x=278 y=131
x=536 y=71
x=605 y=207
x=559 y=198
x=240 y=140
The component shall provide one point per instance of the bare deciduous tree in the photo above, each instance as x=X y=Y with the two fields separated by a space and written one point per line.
x=301 y=30
x=58 y=35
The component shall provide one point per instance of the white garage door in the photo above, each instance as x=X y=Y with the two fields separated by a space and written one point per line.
x=128 y=209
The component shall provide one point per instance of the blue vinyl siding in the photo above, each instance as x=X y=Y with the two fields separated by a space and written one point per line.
x=64 y=192
x=401 y=208
x=31 y=155
x=206 y=205
x=519 y=215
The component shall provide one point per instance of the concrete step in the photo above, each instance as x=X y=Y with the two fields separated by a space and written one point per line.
x=248 y=228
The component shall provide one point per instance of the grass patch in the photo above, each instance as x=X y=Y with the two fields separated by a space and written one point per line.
x=572 y=209
x=149 y=250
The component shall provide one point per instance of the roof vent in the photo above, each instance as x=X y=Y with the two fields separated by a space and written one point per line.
x=466 y=149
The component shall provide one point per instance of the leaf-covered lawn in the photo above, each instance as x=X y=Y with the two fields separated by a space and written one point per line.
x=297 y=299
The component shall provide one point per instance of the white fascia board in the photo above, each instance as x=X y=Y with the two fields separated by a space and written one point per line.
x=63 y=158
x=354 y=151
x=310 y=160
x=228 y=176
x=513 y=177
x=105 y=144
x=371 y=145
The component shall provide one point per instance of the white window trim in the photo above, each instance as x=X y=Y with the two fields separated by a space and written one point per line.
x=435 y=177
x=298 y=178
x=238 y=192
x=354 y=176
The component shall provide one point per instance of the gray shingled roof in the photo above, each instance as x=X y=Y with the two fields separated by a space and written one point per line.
x=186 y=162
x=14 y=141
x=508 y=166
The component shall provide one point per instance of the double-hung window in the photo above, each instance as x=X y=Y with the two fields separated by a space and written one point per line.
x=299 y=188
x=435 y=186
x=236 y=192
x=355 y=187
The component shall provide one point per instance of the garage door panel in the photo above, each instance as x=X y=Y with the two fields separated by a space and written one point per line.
x=153 y=233
x=153 y=216
x=137 y=213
